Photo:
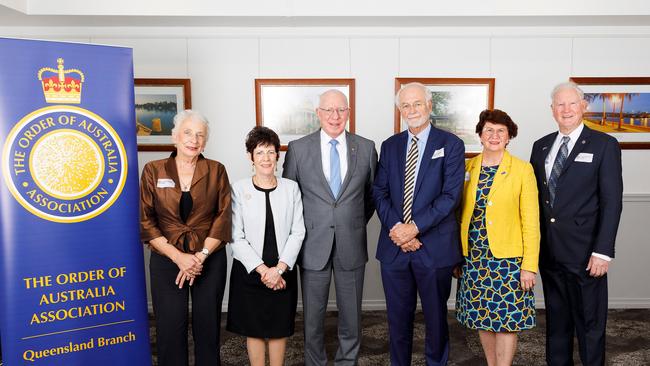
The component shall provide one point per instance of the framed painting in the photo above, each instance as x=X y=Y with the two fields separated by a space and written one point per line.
x=619 y=106
x=288 y=106
x=156 y=103
x=457 y=103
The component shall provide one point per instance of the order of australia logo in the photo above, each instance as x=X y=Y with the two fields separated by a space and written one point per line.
x=64 y=163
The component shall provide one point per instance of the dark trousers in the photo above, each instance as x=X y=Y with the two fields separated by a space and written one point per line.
x=170 y=305
x=575 y=303
x=403 y=279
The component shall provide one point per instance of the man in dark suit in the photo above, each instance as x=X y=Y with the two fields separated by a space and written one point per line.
x=417 y=189
x=580 y=187
x=335 y=170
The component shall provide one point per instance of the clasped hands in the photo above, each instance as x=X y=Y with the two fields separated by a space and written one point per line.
x=190 y=266
x=270 y=277
x=404 y=236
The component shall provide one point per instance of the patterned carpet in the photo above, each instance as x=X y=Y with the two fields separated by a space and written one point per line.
x=628 y=337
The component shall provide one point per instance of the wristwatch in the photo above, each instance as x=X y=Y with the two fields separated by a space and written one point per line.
x=205 y=252
x=280 y=271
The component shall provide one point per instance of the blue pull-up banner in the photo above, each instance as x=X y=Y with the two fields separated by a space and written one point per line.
x=71 y=262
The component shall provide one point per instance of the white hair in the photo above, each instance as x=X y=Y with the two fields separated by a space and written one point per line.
x=332 y=91
x=567 y=85
x=425 y=90
x=182 y=116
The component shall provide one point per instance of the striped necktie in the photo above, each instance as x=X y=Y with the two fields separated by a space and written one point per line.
x=409 y=179
x=562 y=154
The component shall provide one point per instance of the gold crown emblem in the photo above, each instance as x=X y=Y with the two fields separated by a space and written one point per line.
x=59 y=88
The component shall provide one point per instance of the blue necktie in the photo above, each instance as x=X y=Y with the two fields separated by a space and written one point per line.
x=335 y=169
x=562 y=154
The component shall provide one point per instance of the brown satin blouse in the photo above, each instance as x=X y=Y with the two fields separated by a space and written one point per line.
x=160 y=195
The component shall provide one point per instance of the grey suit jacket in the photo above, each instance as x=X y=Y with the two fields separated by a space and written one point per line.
x=328 y=217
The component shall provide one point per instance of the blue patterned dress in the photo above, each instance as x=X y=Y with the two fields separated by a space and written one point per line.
x=489 y=296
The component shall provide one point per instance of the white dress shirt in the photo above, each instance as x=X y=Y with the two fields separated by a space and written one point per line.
x=550 y=160
x=341 y=147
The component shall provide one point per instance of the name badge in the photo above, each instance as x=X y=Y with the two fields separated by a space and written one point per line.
x=585 y=158
x=467 y=175
x=438 y=153
x=165 y=183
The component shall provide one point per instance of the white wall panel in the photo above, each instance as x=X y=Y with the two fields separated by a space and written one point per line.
x=618 y=56
x=223 y=88
x=154 y=57
x=444 y=57
x=304 y=57
x=526 y=70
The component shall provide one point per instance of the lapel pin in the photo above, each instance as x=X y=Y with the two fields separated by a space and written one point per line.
x=503 y=172
x=584 y=142
x=544 y=148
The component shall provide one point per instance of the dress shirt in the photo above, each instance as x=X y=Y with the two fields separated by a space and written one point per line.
x=342 y=149
x=550 y=160
x=423 y=136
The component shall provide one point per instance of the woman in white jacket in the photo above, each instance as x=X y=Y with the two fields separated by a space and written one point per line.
x=268 y=230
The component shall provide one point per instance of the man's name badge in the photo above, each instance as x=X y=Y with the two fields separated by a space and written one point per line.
x=165 y=183
x=585 y=158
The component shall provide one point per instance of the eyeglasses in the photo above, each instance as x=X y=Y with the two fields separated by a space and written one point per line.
x=271 y=153
x=329 y=111
x=190 y=134
x=491 y=131
x=407 y=107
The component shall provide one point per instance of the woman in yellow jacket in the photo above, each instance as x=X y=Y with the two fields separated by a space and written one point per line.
x=500 y=238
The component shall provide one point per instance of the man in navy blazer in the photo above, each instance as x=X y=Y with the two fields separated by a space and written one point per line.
x=581 y=206
x=419 y=242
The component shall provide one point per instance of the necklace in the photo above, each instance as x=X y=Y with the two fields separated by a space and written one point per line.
x=268 y=184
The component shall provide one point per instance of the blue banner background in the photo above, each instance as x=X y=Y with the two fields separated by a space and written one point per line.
x=31 y=246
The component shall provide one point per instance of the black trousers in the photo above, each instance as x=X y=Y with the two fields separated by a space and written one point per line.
x=170 y=305
x=575 y=303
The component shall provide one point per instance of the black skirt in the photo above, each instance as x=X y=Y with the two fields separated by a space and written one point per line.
x=257 y=311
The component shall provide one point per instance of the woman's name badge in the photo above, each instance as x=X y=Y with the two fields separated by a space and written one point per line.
x=165 y=183
x=467 y=176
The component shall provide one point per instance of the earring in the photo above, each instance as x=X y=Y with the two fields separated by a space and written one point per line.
x=253 y=168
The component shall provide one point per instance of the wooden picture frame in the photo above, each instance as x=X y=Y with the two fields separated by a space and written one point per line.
x=288 y=106
x=156 y=103
x=457 y=105
x=619 y=106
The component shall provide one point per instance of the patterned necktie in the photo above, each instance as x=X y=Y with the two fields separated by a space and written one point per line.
x=562 y=154
x=409 y=179
x=335 y=169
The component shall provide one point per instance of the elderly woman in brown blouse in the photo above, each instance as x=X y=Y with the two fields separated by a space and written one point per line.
x=186 y=221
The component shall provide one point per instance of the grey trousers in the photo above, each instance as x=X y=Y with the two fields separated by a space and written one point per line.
x=315 y=286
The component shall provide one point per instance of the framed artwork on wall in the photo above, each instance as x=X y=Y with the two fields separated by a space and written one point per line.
x=619 y=106
x=457 y=103
x=288 y=106
x=156 y=103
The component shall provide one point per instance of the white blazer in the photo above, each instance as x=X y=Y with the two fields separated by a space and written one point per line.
x=249 y=220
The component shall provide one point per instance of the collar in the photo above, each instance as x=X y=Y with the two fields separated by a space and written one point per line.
x=325 y=138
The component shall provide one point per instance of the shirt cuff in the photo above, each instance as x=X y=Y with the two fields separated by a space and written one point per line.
x=602 y=256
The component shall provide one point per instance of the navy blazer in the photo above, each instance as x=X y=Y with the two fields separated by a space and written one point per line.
x=588 y=199
x=437 y=193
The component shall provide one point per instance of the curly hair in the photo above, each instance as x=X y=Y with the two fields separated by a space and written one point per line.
x=261 y=135
x=498 y=117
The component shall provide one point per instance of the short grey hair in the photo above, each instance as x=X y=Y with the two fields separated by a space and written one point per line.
x=333 y=91
x=190 y=114
x=427 y=92
x=567 y=85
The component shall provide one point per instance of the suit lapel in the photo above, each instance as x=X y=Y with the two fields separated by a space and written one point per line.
x=351 y=143
x=402 y=141
x=502 y=173
x=317 y=162
x=201 y=170
x=577 y=148
x=426 y=160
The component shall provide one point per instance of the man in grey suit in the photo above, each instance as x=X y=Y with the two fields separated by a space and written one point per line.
x=335 y=170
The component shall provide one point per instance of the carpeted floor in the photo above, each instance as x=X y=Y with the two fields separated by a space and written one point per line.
x=628 y=341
